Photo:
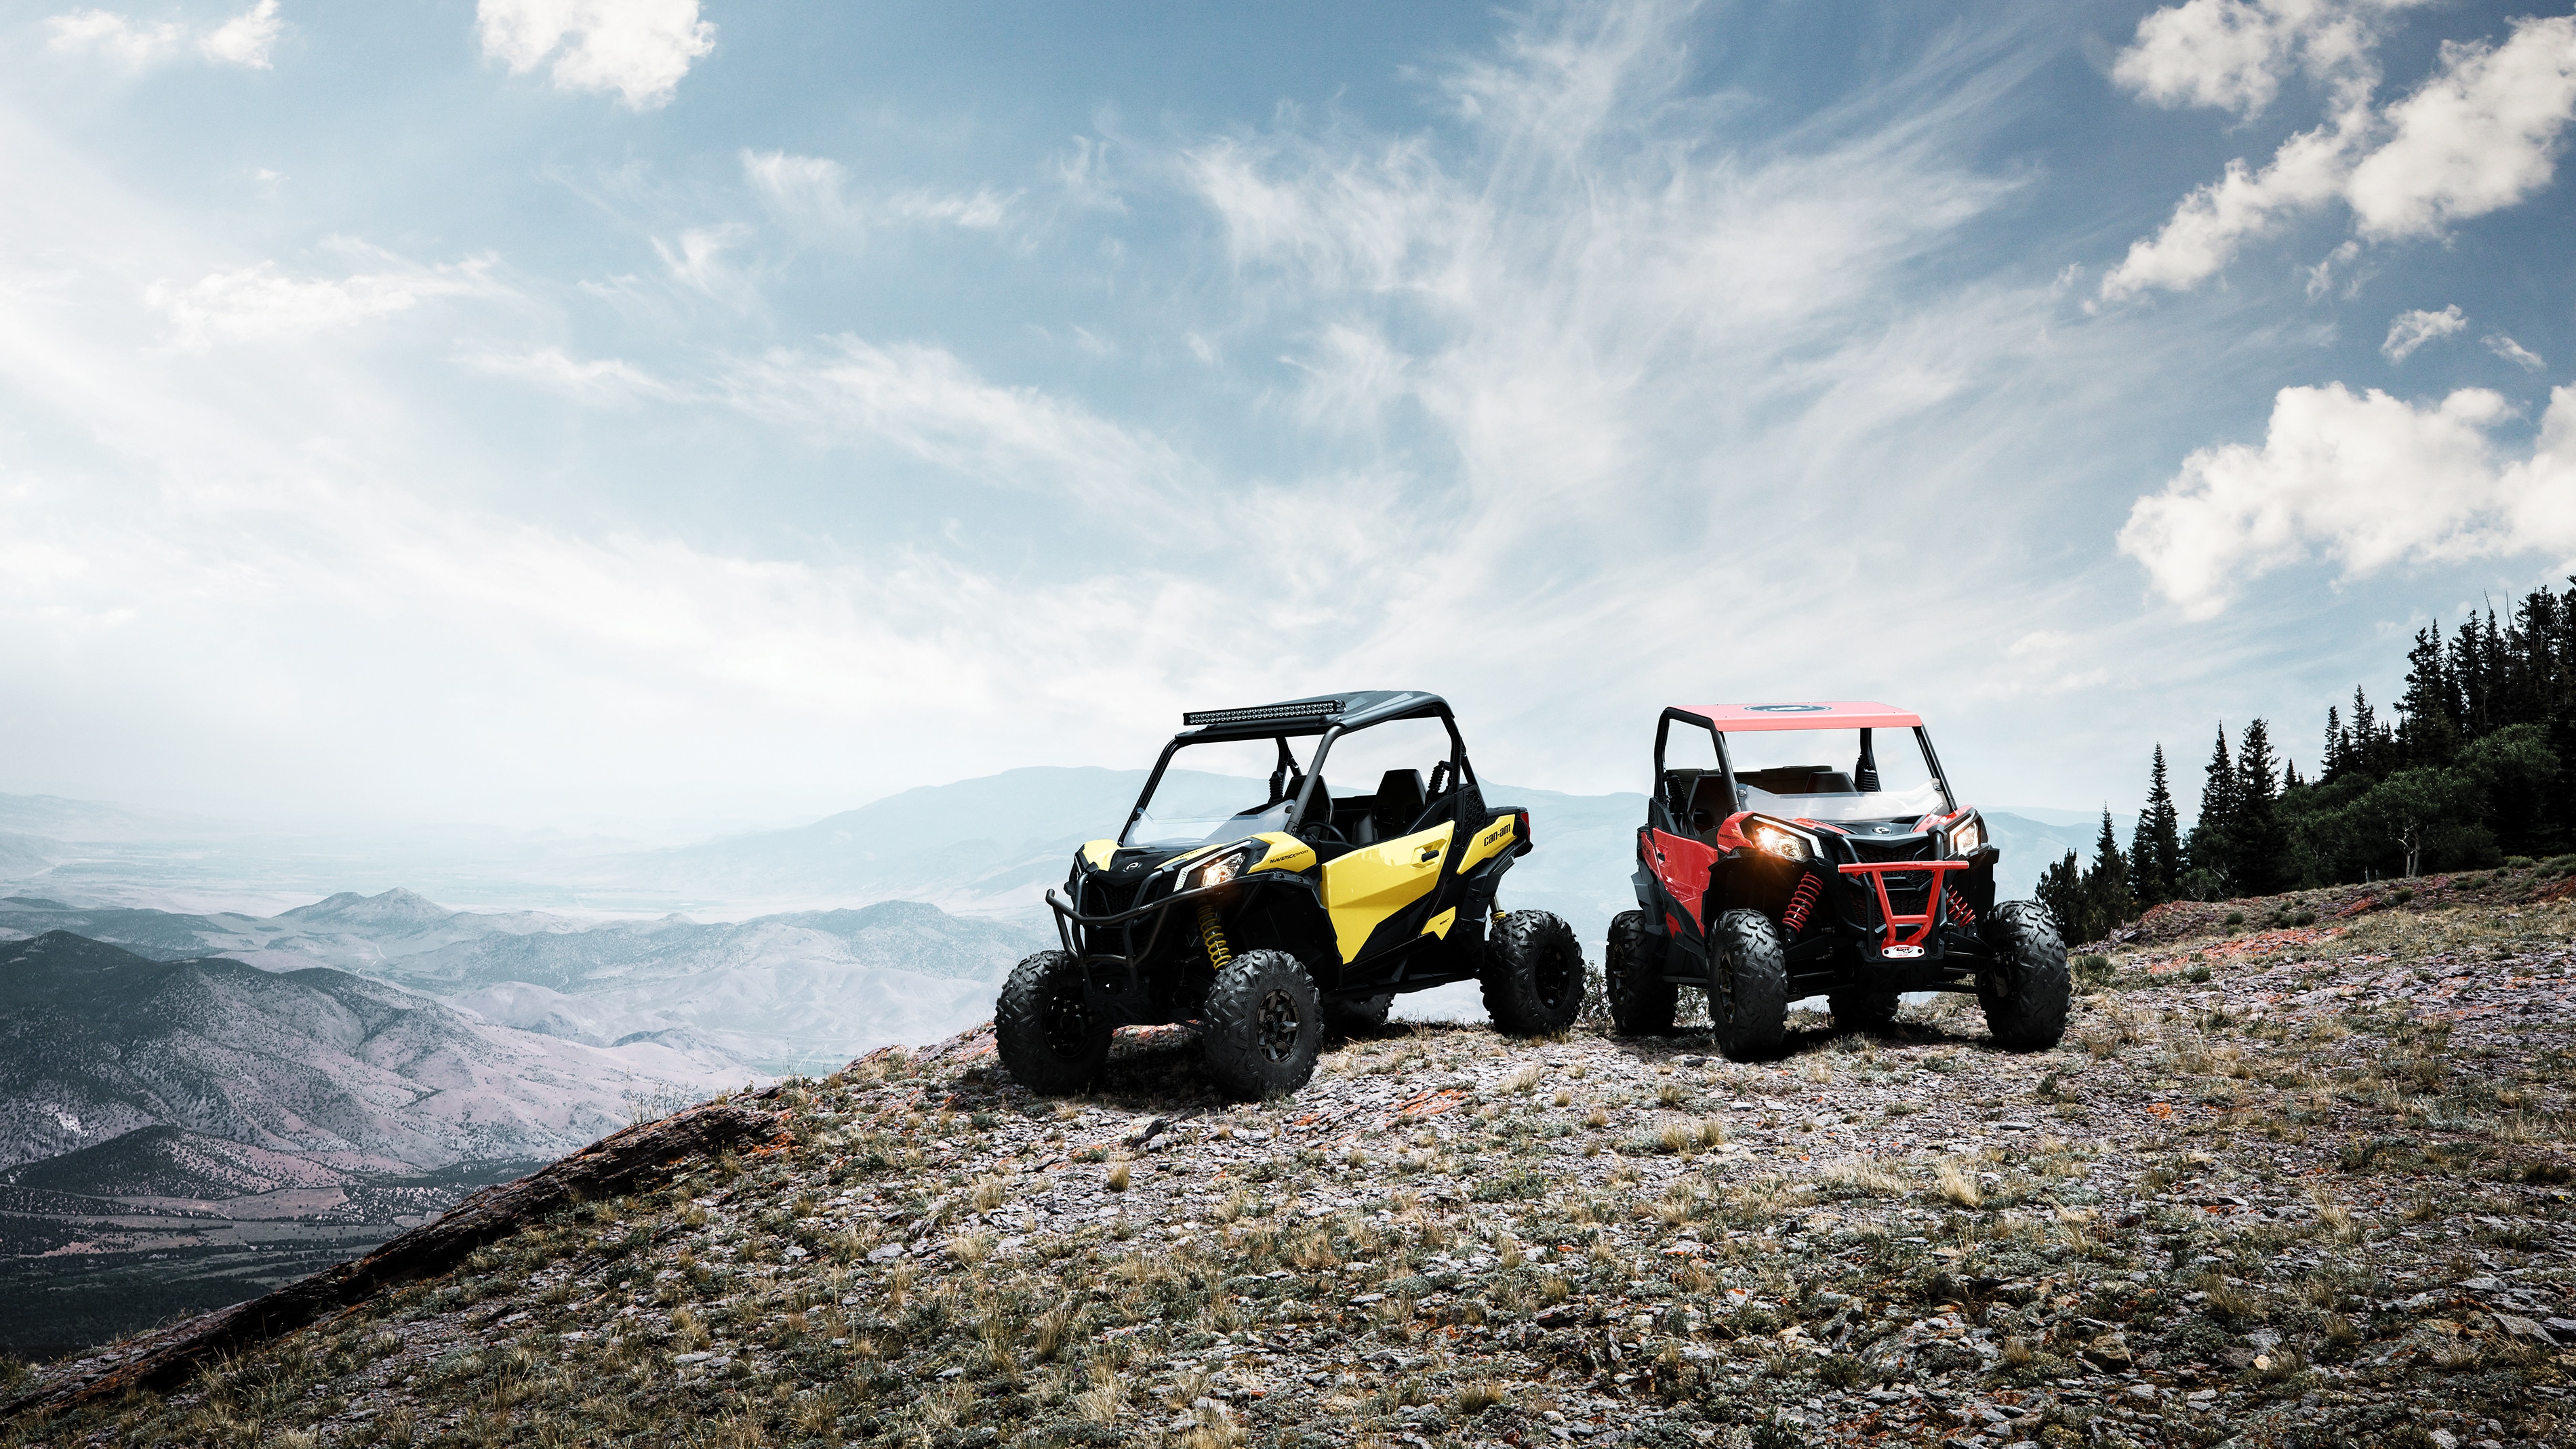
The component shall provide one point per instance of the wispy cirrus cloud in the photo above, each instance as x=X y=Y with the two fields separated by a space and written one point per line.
x=260 y=303
x=814 y=196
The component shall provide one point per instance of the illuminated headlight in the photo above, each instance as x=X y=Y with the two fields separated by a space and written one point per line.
x=1966 y=837
x=1218 y=871
x=1778 y=840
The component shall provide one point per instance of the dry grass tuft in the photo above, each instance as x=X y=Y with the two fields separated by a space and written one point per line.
x=1868 y=1176
x=1100 y=1403
x=1956 y=1183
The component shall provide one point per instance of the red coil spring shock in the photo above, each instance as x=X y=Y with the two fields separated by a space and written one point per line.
x=1801 y=903
x=1960 y=914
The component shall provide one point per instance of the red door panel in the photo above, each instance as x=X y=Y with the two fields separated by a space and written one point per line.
x=1683 y=864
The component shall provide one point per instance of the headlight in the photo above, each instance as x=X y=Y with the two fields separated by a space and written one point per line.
x=1216 y=872
x=1966 y=837
x=1778 y=840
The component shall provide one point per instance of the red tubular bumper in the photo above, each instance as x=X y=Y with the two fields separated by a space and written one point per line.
x=1919 y=926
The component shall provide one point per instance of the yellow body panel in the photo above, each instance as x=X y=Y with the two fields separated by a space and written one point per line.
x=1489 y=842
x=1287 y=853
x=1369 y=884
x=1097 y=853
x=1441 y=923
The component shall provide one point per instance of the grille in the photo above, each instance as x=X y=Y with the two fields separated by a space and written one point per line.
x=1312 y=709
x=1909 y=892
x=1101 y=897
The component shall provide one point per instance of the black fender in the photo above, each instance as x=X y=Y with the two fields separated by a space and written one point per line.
x=1751 y=880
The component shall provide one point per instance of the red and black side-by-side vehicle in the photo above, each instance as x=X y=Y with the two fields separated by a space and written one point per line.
x=1794 y=850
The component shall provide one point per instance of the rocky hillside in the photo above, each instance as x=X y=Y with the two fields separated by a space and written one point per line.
x=2301 y=1185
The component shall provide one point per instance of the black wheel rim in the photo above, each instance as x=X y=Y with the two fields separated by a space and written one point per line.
x=1276 y=1027
x=1553 y=978
x=1064 y=1021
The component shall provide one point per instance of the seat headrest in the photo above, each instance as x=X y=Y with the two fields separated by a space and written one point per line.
x=1399 y=800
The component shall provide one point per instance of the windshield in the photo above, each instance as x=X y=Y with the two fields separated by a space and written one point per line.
x=1218 y=790
x=1835 y=775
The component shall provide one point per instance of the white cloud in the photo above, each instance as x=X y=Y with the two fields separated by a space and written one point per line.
x=2370 y=481
x=2514 y=352
x=2482 y=133
x=2411 y=330
x=259 y=304
x=247 y=38
x=105 y=33
x=638 y=48
x=244 y=40
x=2211 y=224
x=2234 y=54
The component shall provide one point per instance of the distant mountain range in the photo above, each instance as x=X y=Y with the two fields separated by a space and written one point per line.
x=352 y=1074
x=797 y=991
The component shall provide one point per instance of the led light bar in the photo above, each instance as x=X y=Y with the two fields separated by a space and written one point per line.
x=1303 y=710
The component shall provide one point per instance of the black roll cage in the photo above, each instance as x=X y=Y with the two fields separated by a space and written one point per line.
x=1460 y=771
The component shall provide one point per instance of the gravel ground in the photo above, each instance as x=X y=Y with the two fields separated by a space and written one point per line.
x=2296 y=1185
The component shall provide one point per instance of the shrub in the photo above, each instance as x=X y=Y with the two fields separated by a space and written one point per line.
x=2519 y=862
x=2401 y=895
x=2198 y=973
x=2092 y=969
x=2303 y=918
x=2235 y=919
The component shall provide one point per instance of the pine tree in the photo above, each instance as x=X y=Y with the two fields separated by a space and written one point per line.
x=2260 y=843
x=2213 y=850
x=2107 y=901
x=2369 y=753
x=2061 y=893
x=2430 y=729
x=2338 y=752
x=2155 y=852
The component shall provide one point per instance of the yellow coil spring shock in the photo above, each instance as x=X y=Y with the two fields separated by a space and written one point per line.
x=1213 y=935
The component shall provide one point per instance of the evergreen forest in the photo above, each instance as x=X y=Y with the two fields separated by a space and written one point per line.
x=2474 y=765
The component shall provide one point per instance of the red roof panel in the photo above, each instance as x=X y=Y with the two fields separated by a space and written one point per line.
x=1848 y=714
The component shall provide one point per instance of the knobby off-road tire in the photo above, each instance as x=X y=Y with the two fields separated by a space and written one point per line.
x=1863 y=1010
x=1748 y=986
x=2025 y=997
x=1533 y=976
x=1263 y=1026
x=1642 y=1002
x=1047 y=1037
x=1356 y=1017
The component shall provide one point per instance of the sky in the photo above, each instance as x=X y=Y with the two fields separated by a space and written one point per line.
x=718 y=414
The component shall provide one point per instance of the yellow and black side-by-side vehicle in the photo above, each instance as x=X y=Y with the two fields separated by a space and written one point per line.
x=1273 y=910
